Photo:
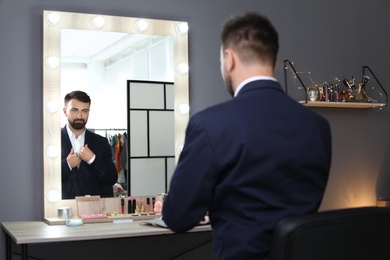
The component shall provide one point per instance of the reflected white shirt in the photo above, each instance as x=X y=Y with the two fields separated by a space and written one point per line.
x=77 y=143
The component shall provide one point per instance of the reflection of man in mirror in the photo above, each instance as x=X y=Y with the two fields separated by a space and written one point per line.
x=86 y=158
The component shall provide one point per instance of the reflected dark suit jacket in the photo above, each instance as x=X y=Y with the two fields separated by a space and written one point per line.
x=94 y=179
x=250 y=162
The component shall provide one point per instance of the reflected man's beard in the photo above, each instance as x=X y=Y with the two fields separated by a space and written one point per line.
x=78 y=123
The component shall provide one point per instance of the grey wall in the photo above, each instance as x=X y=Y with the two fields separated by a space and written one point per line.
x=328 y=38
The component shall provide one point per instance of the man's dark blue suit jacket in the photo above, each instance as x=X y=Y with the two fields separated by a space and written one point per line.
x=97 y=178
x=250 y=162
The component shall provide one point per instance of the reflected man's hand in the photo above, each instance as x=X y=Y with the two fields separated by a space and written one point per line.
x=86 y=154
x=73 y=159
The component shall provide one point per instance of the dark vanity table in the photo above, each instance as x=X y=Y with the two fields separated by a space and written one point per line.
x=26 y=233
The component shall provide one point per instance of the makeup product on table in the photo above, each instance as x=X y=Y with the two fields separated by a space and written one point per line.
x=134 y=205
x=151 y=211
x=140 y=207
x=129 y=205
x=61 y=212
x=147 y=205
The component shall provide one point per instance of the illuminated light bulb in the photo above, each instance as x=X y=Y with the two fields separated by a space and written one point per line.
x=183 y=109
x=53 y=18
x=98 y=22
x=141 y=25
x=180 y=148
x=53 y=196
x=52 y=62
x=182 y=68
x=52 y=106
x=182 y=28
x=52 y=151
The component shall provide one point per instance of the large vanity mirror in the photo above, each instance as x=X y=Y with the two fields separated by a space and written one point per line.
x=154 y=51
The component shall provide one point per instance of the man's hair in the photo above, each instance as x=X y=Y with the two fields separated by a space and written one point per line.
x=253 y=37
x=78 y=95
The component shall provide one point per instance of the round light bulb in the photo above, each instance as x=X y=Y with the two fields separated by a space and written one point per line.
x=98 y=22
x=53 y=18
x=180 y=148
x=182 y=68
x=141 y=25
x=183 y=109
x=52 y=106
x=52 y=62
x=53 y=196
x=52 y=151
x=182 y=28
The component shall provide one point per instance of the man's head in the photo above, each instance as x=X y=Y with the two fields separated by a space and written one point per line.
x=251 y=40
x=77 y=104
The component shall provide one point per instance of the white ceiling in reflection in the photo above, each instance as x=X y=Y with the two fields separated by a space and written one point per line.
x=83 y=46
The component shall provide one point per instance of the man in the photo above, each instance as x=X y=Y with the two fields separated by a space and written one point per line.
x=253 y=160
x=87 y=164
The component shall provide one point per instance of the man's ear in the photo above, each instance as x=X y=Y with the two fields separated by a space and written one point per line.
x=229 y=58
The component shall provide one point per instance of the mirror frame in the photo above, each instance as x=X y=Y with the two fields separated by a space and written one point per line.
x=53 y=102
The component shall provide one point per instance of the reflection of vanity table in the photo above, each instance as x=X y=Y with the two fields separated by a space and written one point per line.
x=25 y=233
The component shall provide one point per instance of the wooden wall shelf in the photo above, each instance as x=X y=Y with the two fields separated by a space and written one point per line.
x=342 y=104
x=288 y=65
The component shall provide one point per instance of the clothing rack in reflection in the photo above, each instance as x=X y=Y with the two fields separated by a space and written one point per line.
x=107 y=131
x=117 y=138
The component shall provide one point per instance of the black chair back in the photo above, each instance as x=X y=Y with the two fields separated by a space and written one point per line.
x=343 y=234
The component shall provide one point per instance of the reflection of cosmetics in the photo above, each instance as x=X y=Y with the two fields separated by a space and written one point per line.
x=142 y=206
x=158 y=207
x=137 y=207
x=147 y=205
x=64 y=211
x=151 y=211
x=129 y=205
x=134 y=204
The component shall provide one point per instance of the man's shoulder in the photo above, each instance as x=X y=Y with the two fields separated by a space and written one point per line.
x=219 y=108
x=91 y=135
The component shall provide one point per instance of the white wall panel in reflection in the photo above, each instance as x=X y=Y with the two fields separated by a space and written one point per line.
x=169 y=89
x=147 y=96
x=138 y=133
x=150 y=176
x=162 y=133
